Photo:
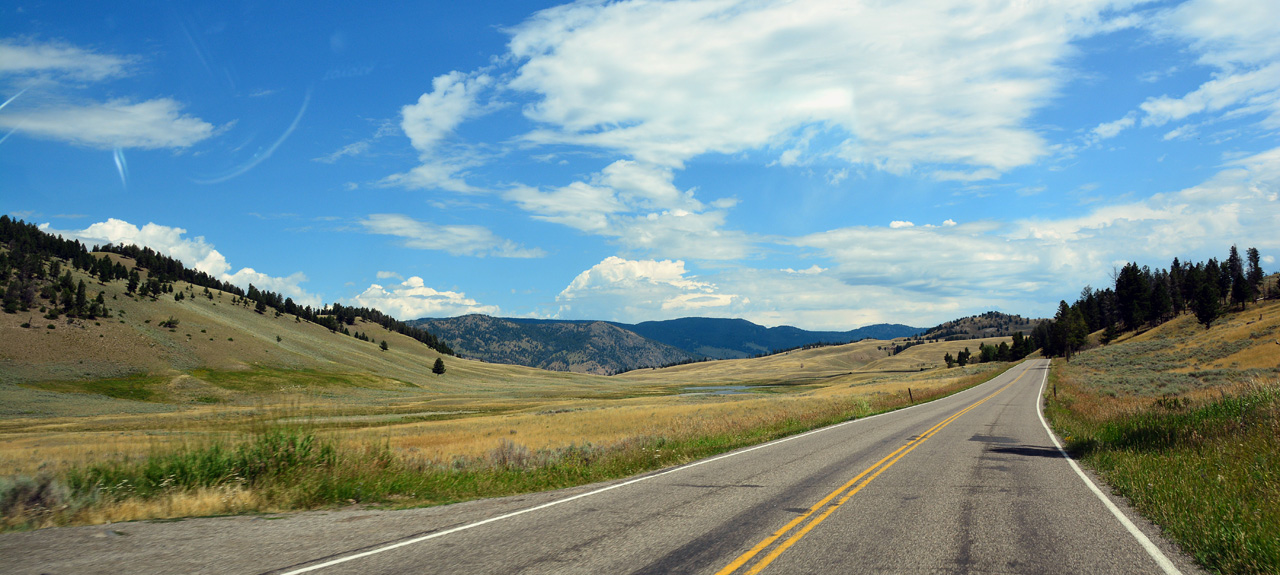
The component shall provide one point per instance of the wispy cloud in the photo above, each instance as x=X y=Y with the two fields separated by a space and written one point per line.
x=56 y=72
x=60 y=60
x=454 y=239
x=151 y=124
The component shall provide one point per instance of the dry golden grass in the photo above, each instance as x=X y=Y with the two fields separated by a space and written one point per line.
x=221 y=375
x=483 y=404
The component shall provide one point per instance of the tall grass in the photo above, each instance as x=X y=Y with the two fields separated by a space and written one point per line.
x=279 y=467
x=1206 y=470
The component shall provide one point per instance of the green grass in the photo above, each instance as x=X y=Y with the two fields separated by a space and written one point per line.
x=269 y=379
x=1208 y=474
x=137 y=387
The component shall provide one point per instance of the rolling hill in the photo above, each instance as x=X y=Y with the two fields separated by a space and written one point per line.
x=989 y=324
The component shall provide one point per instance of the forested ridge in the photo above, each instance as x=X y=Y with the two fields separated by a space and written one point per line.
x=31 y=275
x=1142 y=297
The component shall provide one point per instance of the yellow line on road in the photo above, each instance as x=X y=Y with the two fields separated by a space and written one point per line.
x=813 y=513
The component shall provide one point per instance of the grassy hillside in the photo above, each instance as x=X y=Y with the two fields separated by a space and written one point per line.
x=1185 y=422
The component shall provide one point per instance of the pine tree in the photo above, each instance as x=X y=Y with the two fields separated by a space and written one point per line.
x=1241 y=291
x=438 y=368
x=1207 y=303
x=383 y=345
x=81 y=298
x=1254 y=274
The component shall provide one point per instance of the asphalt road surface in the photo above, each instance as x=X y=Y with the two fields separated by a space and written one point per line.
x=973 y=483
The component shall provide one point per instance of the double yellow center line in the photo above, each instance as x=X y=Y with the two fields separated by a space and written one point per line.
x=824 y=508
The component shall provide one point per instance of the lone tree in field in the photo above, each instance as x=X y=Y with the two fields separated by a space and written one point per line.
x=383 y=345
x=438 y=368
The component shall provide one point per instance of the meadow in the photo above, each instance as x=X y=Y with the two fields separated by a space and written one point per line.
x=1185 y=423
x=285 y=416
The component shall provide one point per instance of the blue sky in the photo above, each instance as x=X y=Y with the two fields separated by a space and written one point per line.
x=820 y=164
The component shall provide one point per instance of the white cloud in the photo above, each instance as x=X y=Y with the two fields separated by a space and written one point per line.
x=906 y=83
x=151 y=124
x=454 y=239
x=451 y=100
x=194 y=253
x=412 y=299
x=431 y=121
x=897 y=224
x=51 y=73
x=1109 y=130
x=382 y=275
x=639 y=206
x=1237 y=39
x=60 y=60
x=636 y=290
x=1021 y=266
x=812 y=270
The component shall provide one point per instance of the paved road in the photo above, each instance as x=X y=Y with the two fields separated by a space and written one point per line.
x=968 y=484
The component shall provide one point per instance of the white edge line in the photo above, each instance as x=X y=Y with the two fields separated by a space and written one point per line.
x=408 y=542
x=1161 y=559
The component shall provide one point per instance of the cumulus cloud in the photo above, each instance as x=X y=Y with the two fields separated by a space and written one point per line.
x=193 y=252
x=431 y=121
x=636 y=290
x=454 y=239
x=412 y=299
x=639 y=206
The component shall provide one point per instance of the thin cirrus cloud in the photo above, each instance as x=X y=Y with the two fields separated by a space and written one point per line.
x=52 y=74
x=458 y=240
x=1236 y=39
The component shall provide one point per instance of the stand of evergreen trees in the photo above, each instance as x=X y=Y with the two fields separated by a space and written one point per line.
x=1022 y=347
x=33 y=258
x=1143 y=297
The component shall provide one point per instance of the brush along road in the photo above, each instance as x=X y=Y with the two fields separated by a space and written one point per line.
x=969 y=483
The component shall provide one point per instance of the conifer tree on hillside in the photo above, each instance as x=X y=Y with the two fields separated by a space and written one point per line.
x=438 y=368
x=1254 y=274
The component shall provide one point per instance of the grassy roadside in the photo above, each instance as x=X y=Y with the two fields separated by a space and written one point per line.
x=1204 y=464
x=291 y=467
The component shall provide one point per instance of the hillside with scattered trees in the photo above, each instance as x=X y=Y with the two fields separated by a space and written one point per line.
x=32 y=276
x=1142 y=298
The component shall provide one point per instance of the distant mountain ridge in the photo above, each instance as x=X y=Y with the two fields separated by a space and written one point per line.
x=583 y=347
x=590 y=346
x=737 y=338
